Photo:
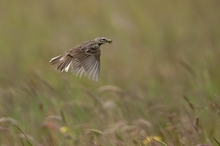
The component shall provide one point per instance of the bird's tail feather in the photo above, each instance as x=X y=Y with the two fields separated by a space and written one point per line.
x=62 y=62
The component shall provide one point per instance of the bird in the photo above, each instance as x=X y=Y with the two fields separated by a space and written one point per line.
x=84 y=58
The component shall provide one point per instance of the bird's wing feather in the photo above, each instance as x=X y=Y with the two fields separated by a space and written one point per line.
x=77 y=68
x=90 y=63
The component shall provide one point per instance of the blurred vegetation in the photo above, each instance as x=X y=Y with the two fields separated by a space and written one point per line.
x=159 y=82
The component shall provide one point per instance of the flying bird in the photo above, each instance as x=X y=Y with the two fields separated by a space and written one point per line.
x=84 y=58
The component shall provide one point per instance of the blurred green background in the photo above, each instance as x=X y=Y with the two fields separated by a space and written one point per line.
x=159 y=77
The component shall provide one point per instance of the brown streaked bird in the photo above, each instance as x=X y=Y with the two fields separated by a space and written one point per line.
x=84 y=58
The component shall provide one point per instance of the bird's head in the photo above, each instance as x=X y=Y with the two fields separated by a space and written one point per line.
x=103 y=40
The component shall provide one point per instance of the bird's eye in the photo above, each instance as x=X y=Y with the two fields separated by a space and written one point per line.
x=103 y=39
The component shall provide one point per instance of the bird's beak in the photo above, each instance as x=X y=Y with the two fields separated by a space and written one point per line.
x=109 y=41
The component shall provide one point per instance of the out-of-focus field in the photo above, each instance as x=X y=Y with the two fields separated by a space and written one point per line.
x=159 y=82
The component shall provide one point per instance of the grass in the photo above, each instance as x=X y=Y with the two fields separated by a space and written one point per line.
x=159 y=82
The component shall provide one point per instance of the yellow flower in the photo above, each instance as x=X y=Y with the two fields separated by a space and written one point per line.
x=63 y=129
x=150 y=139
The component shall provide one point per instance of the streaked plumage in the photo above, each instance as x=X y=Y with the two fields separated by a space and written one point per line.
x=84 y=58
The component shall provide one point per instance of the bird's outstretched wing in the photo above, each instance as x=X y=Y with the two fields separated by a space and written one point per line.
x=87 y=62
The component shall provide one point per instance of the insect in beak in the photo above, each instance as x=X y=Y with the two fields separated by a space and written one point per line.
x=109 y=41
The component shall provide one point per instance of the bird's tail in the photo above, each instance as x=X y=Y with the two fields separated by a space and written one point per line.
x=62 y=62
